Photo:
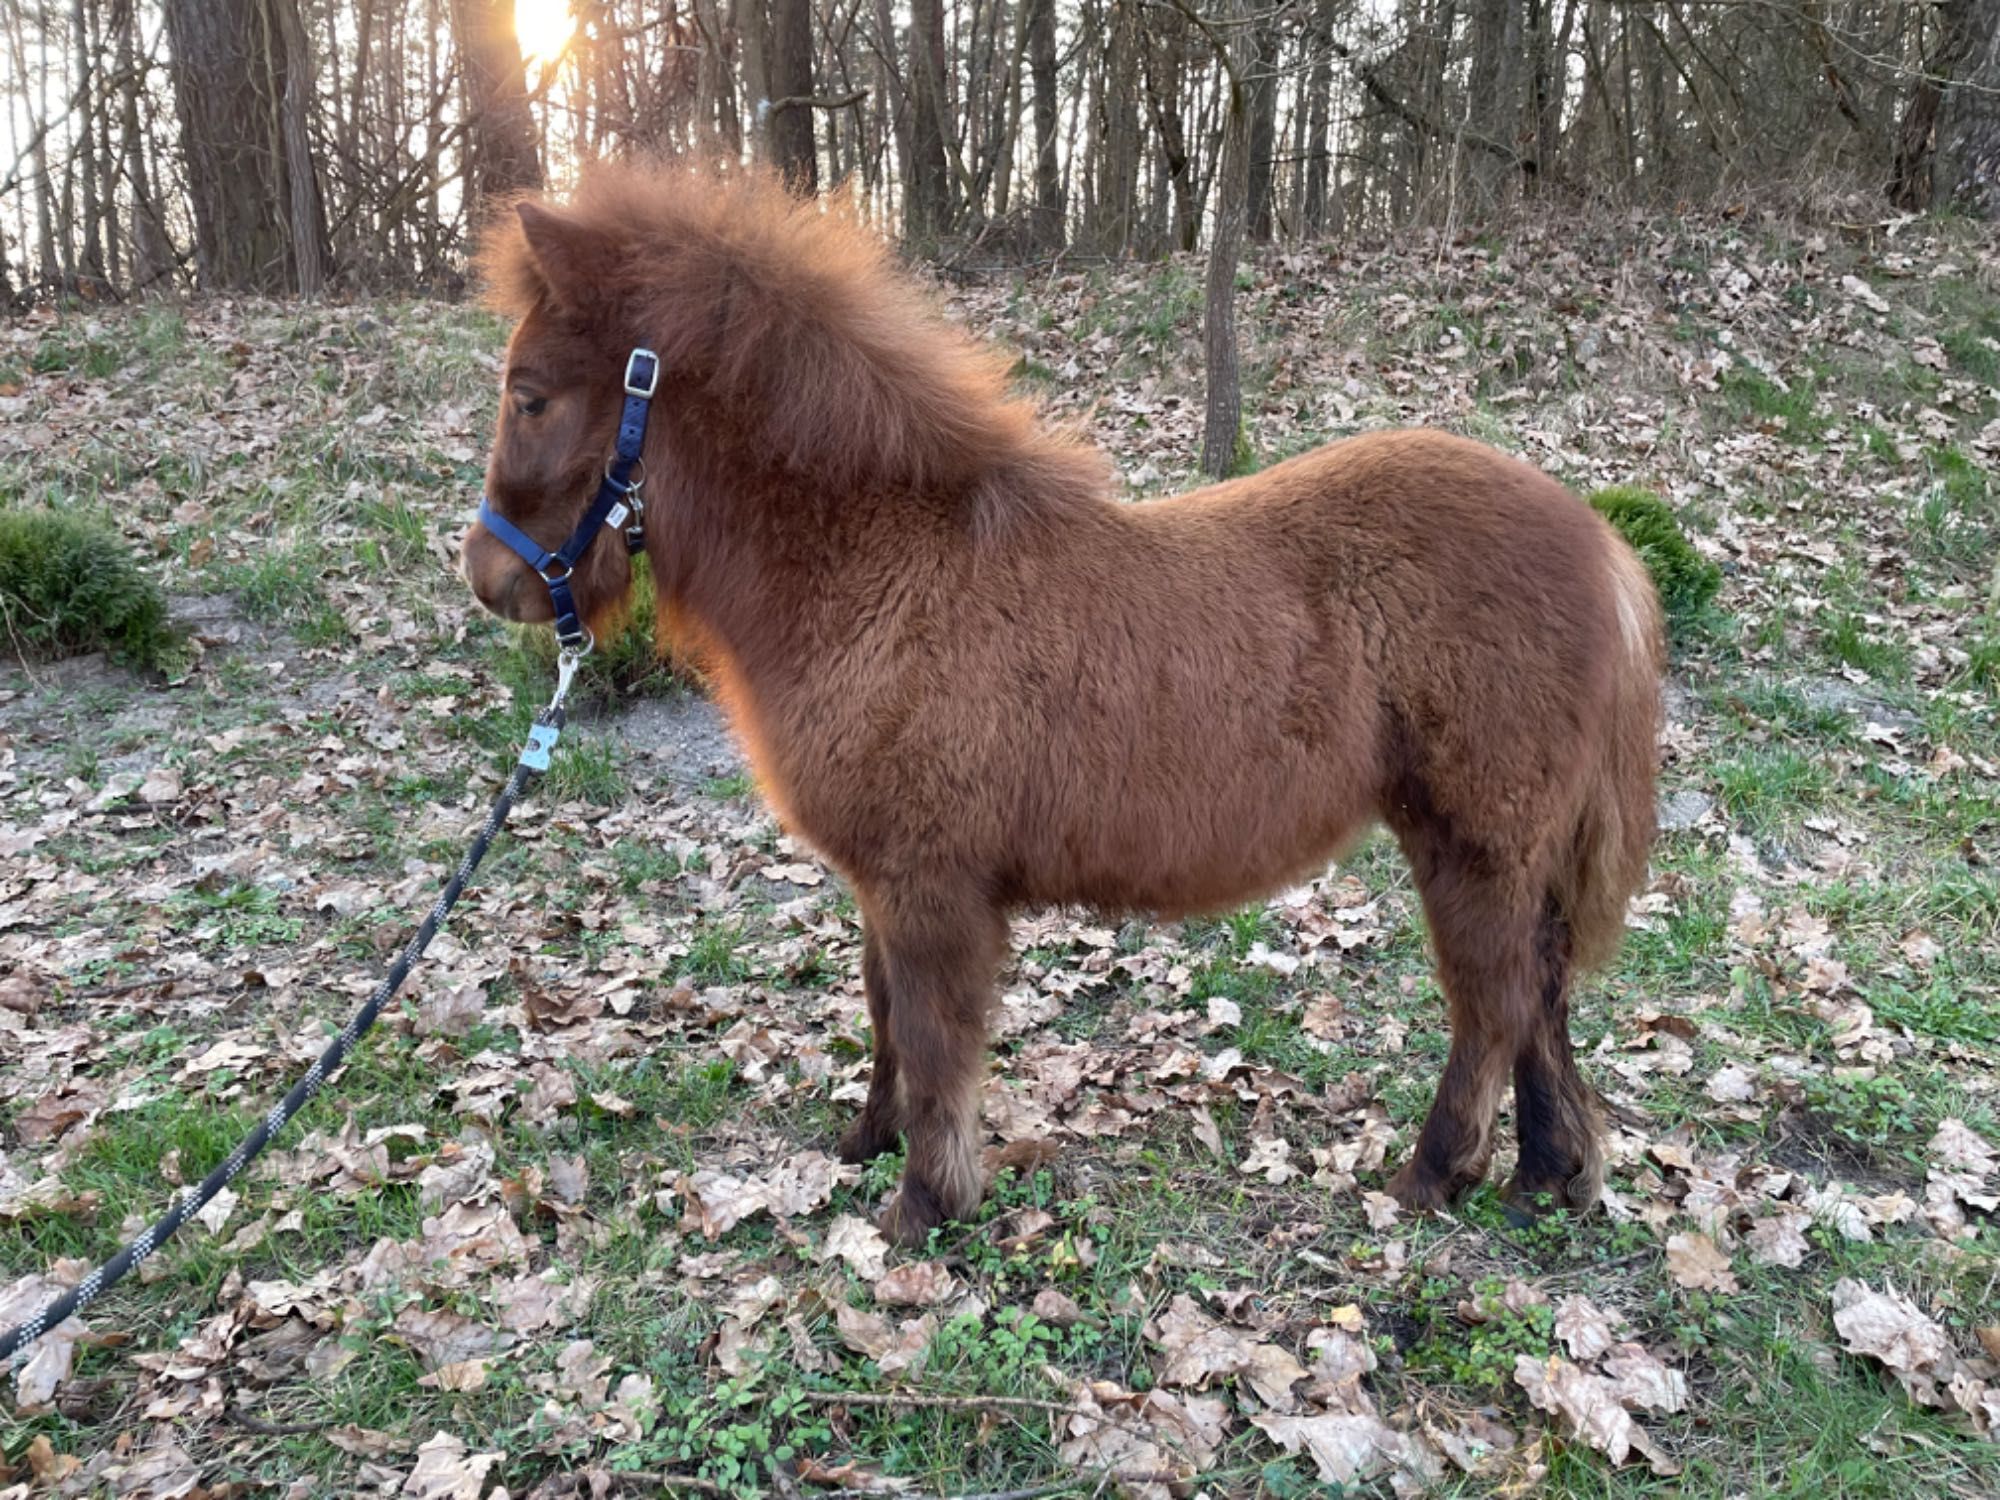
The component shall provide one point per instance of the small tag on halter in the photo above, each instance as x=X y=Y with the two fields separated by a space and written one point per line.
x=618 y=514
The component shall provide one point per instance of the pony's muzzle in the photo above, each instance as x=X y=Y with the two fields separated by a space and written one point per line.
x=500 y=581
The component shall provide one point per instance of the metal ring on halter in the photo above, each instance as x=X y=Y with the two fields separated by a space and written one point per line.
x=625 y=486
x=552 y=579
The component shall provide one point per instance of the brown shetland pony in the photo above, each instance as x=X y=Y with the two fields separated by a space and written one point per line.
x=974 y=680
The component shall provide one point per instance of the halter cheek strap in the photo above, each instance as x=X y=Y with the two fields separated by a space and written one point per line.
x=616 y=505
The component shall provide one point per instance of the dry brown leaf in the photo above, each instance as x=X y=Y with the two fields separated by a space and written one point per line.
x=1888 y=1327
x=441 y=1337
x=859 y=1243
x=1124 y=1434
x=49 y=1467
x=1057 y=1309
x=1731 y=1085
x=916 y=1283
x=53 y=1355
x=1343 y=1447
x=460 y=1375
x=1641 y=1381
x=1698 y=1265
x=1957 y=1146
x=896 y=1348
x=447 y=1471
x=1590 y=1405
x=1584 y=1328
x=1778 y=1238
x=365 y=1442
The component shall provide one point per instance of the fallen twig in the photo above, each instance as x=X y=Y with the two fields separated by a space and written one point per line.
x=965 y=1403
x=262 y=1428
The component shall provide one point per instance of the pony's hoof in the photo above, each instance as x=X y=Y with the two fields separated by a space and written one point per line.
x=911 y=1216
x=1528 y=1202
x=863 y=1141
x=1419 y=1192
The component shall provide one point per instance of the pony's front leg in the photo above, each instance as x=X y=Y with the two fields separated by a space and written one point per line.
x=874 y=1131
x=939 y=960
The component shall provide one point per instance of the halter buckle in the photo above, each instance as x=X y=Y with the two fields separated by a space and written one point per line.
x=643 y=384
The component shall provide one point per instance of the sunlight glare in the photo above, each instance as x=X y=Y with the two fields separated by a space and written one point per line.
x=544 y=28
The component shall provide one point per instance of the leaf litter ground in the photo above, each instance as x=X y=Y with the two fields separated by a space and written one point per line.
x=571 y=1226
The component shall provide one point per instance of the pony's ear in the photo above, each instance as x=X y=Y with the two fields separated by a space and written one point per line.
x=574 y=260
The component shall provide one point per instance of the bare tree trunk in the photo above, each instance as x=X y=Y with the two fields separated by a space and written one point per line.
x=303 y=202
x=1319 y=96
x=1494 y=104
x=219 y=70
x=791 y=127
x=1263 y=86
x=1967 y=172
x=1117 y=197
x=1049 y=215
x=502 y=156
x=1166 y=73
x=152 y=253
x=1223 y=410
x=927 y=185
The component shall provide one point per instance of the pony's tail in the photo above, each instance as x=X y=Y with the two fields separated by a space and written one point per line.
x=1606 y=861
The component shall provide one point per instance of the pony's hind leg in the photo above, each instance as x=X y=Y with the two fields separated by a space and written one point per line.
x=940 y=966
x=1485 y=959
x=1554 y=1109
x=875 y=1130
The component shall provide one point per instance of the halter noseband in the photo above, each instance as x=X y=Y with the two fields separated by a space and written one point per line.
x=617 y=504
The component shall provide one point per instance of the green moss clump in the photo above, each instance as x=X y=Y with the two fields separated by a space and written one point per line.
x=1687 y=581
x=69 y=584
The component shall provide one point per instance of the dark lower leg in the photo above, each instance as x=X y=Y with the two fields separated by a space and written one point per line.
x=1485 y=959
x=1554 y=1111
x=940 y=971
x=1456 y=1143
x=875 y=1130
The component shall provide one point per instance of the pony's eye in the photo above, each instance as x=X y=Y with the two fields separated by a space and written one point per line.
x=534 y=406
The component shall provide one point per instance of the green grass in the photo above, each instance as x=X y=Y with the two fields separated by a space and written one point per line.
x=1790 y=409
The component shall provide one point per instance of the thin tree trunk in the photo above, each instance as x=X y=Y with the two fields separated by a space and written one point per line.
x=303 y=201
x=1263 y=86
x=1049 y=217
x=927 y=185
x=791 y=129
x=1319 y=96
x=1967 y=172
x=1223 y=408
x=502 y=156
x=152 y=253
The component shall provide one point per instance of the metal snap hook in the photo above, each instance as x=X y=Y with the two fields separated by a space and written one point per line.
x=625 y=486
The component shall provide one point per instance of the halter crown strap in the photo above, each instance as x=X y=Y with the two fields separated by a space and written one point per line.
x=616 y=504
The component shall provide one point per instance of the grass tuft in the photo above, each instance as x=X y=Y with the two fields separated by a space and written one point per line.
x=1687 y=581
x=69 y=584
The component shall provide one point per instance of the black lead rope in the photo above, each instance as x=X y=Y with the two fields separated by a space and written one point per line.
x=534 y=760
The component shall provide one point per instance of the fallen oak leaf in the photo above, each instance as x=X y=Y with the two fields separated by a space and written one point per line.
x=446 y=1471
x=1698 y=1265
x=1591 y=1407
x=917 y=1283
x=1887 y=1327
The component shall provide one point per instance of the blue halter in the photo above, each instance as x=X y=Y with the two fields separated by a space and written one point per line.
x=617 y=504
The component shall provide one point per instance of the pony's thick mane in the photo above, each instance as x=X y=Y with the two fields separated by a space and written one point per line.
x=793 y=313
